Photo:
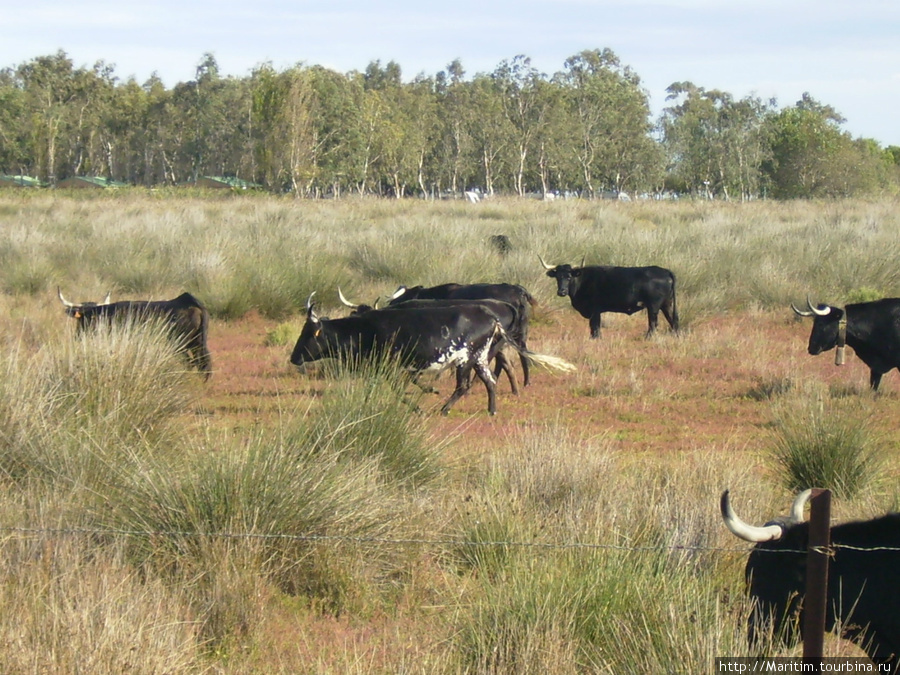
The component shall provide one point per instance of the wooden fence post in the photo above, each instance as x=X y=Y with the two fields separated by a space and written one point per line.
x=815 y=604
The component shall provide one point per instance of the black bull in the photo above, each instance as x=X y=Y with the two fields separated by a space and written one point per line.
x=513 y=294
x=185 y=317
x=515 y=325
x=594 y=290
x=461 y=337
x=872 y=329
x=863 y=579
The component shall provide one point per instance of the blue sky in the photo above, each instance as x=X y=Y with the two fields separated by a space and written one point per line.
x=845 y=54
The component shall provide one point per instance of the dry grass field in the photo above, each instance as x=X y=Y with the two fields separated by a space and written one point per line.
x=575 y=531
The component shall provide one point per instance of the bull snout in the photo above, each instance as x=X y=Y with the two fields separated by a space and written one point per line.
x=562 y=291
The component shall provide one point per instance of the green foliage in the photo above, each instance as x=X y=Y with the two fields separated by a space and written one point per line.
x=827 y=444
x=864 y=294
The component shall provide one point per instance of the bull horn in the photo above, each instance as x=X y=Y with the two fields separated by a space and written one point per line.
x=309 y=305
x=797 y=507
x=744 y=531
x=816 y=310
x=583 y=258
x=400 y=291
x=800 y=312
x=107 y=298
x=62 y=299
x=377 y=300
x=546 y=266
x=345 y=301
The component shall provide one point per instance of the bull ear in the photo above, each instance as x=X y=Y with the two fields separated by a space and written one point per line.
x=576 y=271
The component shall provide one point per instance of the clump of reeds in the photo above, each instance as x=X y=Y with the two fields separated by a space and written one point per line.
x=826 y=442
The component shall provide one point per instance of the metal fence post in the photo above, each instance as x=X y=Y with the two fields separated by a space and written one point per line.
x=815 y=605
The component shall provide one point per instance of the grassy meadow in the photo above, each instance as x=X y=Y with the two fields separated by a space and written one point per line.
x=331 y=521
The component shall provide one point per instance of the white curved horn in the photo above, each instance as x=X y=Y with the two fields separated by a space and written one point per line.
x=107 y=298
x=744 y=531
x=800 y=312
x=816 y=310
x=309 y=301
x=546 y=266
x=345 y=301
x=400 y=291
x=797 y=507
x=62 y=299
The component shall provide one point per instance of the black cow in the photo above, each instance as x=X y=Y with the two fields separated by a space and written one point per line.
x=420 y=338
x=509 y=317
x=597 y=289
x=186 y=317
x=872 y=329
x=863 y=578
x=515 y=295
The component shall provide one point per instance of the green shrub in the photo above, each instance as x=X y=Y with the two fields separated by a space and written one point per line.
x=826 y=443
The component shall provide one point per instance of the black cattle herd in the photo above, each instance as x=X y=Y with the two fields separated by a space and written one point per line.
x=466 y=327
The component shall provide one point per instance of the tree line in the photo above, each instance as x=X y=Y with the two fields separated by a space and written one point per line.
x=312 y=131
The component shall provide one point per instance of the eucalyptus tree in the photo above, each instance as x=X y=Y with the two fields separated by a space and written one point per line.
x=490 y=130
x=337 y=132
x=50 y=107
x=452 y=150
x=715 y=144
x=525 y=108
x=211 y=116
x=610 y=113
x=283 y=114
x=811 y=155
x=15 y=157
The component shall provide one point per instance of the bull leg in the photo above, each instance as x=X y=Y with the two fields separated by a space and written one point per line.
x=485 y=375
x=462 y=386
x=652 y=320
x=502 y=364
x=202 y=360
x=874 y=379
x=594 y=322
x=668 y=310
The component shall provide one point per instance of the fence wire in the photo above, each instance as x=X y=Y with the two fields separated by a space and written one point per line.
x=37 y=532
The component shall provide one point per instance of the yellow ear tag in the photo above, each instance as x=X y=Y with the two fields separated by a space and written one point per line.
x=77 y=314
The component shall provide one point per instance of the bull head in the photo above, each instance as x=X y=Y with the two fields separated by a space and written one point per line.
x=769 y=532
x=813 y=311
x=76 y=311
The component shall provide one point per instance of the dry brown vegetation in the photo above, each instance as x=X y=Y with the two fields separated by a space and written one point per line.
x=575 y=531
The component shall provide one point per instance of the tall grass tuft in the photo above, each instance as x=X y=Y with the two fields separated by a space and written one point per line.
x=370 y=411
x=82 y=402
x=825 y=442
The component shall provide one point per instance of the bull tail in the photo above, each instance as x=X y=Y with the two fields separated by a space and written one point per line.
x=547 y=361
x=673 y=320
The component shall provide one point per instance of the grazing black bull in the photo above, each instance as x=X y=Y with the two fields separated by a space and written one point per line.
x=863 y=579
x=513 y=294
x=421 y=339
x=626 y=290
x=509 y=316
x=872 y=329
x=186 y=317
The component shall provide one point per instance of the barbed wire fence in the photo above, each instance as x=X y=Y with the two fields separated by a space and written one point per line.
x=59 y=533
